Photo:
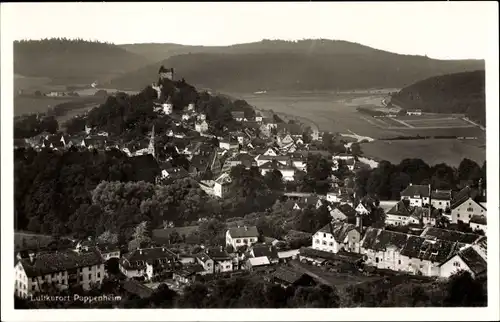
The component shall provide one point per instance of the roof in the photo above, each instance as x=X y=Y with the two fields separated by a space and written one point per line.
x=441 y=194
x=48 y=263
x=270 y=157
x=190 y=270
x=347 y=210
x=245 y=231
x=265 y=250
x=259 y=261
x=450 y=235
x=339 y=230
x=478 y=219
x=416 y=190
x=462 y=196
x=218 y=254
x=287 y=275
x=288 y=253
x=472 y=258
x=177 y=173
x=276 y=166
x=340 y=256
x=147 y=254
x=134 y=287
x=224 y=178
x=430 y=250
x=380 y=239
x=203 y=257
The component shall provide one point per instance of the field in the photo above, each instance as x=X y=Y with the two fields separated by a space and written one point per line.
x=33 y=104
x=449 y=151
x=24 y=240
x=336 y=112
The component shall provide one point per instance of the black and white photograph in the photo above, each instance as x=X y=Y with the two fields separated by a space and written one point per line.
x=245 y=156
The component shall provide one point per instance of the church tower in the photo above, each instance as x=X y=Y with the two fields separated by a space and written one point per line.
x=151 y=147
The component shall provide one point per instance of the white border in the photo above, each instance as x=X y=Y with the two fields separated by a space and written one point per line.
x=396 y=314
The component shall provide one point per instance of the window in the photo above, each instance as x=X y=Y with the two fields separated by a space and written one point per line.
x=245 y=240
x=324 y=242
x=331 y=244
x=399 y=262
x=98 y=274
x=470 y=216
x=228 y=267
x=238 y=240
x=470 y=209
x=90 y=276
x=317 y=241
x=208 y=264
x=32 y=287
x=324 y=235
x=458 y=215
x=440 y=203
x=456 y=264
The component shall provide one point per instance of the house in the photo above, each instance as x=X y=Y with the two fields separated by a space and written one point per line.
x=222 y=261
x=342 y=156
x=176 y=173
x=414 y=112
x=228 y=144
x=363 y=208
x=309 y=201
x=201 y=126
x=258 y=117
x=222 y=185
x=336 y=236
x=343 y=213
x=464 y=208
x=402 y=252
x=284 y=140
x=206 y=262
x=256 y=262
x=287 y=255
x=238 y=115
x=441 y=199
x=289 y=277
x=478 y=222
x=187 y=274
x=417 y=194
x=108 y=251
x=186 y=116
x=147 y=262
x=190 y=107
x=271 y=152
x=241 y=236
x=201 y=117
x=61 y=270
x=467 y=259
x=401 y=214
x=167 y=108
x=299 y=162
x=286 y=171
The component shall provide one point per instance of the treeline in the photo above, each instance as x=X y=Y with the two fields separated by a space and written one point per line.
x=73 y=61
x=460 y=93
x=252 y=71
x=251 y=291
x=388 y=180
x=32 y=125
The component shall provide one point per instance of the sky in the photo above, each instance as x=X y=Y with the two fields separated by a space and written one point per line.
x=443 y=30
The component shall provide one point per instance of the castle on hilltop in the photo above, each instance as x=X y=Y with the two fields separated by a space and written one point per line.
x=166 y=73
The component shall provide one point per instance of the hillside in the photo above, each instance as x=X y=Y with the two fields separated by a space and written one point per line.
x=454 y=93
x=303 y=65
x=73 y=61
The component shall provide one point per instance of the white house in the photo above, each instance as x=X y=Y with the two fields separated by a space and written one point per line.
x=228 y=144
x=221 y=259
x=441 y=199
x=465 y=209
x=418 y=195
x=467 y=259
x=336 y=236
x=362 y=209
x=201 y=117
x=478 y=222
x=414 y=112
x=146 y=262
x=241 y=236
x=287 y=172
x=201 y=126
x=222 y=185
x=262 y=159
x=39 y=272
x=402 y=214
x=206 y=262
x=299 y=163
x=258 y=117
x=168 y=108
x=271 y=152
x=190 y=107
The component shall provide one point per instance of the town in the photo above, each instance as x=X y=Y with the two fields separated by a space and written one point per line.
x=200 y=188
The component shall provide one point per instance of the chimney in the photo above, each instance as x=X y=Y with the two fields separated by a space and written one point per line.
x=32 y=257
x=359 y=223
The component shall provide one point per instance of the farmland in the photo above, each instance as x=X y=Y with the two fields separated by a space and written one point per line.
x=336 y=112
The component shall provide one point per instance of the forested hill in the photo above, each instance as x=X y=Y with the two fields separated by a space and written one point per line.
x=73 y=61
x=303 y=65
x=453 y=93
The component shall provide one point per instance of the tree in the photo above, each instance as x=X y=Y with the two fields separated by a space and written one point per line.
x=465 y=291
x=141 y=236
x=211 y=232
x=468 y=170
x=274 y=180
x=356 y=149
x=108 y=238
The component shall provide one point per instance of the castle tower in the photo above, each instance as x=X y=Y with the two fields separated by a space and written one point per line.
x=151 y=147
x=166 y=73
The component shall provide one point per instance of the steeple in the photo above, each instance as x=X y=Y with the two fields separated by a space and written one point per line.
x=151 y=147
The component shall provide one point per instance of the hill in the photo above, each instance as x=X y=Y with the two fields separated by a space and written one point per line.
x=461 y=93
x=287 y=65
x=73 y=61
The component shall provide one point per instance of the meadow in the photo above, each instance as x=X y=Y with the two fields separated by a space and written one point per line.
x=26 y=240
x=336 y=112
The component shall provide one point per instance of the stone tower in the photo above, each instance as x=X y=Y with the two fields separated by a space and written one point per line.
x=151 y=147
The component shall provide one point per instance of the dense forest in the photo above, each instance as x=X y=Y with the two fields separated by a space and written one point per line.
x=462 y=93
x=303 y=65
x=73 y=61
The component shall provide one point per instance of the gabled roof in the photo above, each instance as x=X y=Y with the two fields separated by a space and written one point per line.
x=48 y=263
x=224 y=178
x=259 y=261
x=241 y=232
x=270 y=157
x=203 y=257
x=190 y=270
x=146 y=254
x=346 y=210
x=276 y=166
x=340 y=256
x=218 y=254
x=473 y=259
x=450 y=235
x=430 y=250
x=238 y=114
x=441 y=194
x=287 y=275
x=458 y=202
x=416 y=190
x=338 y=230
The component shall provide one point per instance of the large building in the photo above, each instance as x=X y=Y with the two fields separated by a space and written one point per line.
x=242 y=236
x=418 y=195
x=59 y=270
x=148 y=262
x=336 y=236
